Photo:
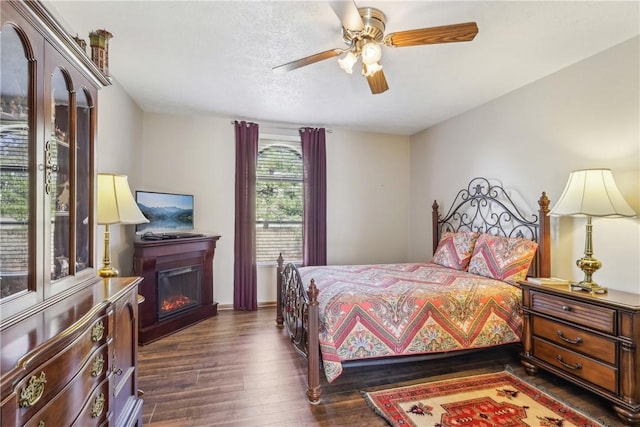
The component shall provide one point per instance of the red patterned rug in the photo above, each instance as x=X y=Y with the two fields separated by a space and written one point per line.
x=498 y=399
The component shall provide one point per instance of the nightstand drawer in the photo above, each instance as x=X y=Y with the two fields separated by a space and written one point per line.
x=576 y=364
x=575 y=339
x=591 y=316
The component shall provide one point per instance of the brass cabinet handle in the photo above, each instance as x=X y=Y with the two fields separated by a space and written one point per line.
x=97 y=366
x=34 y=391
x=578 y=340
x=97 y=332
x=568 y=366
x=98 y=405
x=41 y=424
x=117 y=371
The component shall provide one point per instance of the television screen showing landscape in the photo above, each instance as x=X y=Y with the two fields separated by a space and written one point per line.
x=165 y=211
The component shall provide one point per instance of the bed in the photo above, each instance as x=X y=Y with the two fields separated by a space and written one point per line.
x=466 y=298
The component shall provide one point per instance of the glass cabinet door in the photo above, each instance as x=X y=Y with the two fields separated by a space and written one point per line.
x=58 y=184
x=17 y=184
x=83 y=180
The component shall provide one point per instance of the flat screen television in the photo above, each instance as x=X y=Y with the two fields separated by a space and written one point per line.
x=166 y=212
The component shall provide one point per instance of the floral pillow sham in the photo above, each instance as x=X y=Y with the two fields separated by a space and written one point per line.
x=503 y=258
x=455 y=249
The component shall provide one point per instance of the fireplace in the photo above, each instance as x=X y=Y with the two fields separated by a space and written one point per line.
x=178 y=290
x=177 y=286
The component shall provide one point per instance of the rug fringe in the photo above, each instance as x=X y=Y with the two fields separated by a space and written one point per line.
x=375 y=409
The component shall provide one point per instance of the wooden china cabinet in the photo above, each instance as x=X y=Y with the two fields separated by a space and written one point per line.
x=68 y=338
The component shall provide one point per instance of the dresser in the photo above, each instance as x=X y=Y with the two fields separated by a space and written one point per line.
x=74 y=363
x=589 y=339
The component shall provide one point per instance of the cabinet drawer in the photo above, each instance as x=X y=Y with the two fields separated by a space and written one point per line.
x=62 y=409
x=96 y=410
x=46 y=380
x=576 y=364
x=575 y=339
x=582 y=314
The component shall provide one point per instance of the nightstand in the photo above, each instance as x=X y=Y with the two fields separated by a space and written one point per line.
x=589 y=339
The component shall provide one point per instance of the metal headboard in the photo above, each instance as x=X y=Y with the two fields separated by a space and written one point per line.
x=487 y=208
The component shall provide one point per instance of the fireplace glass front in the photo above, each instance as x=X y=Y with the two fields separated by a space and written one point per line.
x=178 y=290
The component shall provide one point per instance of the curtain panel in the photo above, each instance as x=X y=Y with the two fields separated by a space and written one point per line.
x=245 y=287
x=315 y=196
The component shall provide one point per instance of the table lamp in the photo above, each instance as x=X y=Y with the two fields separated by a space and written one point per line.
x=116 y=205
x=589 y=193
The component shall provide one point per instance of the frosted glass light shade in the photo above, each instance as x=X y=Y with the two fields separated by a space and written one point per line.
x=347 y=62
x=371 y=53
x=371 y=69
x=592 y=192
x=116 y=204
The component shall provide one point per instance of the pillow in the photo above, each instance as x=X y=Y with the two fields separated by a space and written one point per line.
x=455 y=249
x=502 y=258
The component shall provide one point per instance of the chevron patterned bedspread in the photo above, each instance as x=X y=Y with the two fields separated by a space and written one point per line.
x=371 y=311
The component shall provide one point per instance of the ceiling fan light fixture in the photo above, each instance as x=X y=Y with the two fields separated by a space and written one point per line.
x=371 y=53
x=348 y=62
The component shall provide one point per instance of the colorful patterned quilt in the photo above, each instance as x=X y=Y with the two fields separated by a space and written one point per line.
x=371 y=311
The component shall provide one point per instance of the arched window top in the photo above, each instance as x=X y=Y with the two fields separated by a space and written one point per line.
x=279 y=162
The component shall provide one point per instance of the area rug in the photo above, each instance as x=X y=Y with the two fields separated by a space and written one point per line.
x=497 y=399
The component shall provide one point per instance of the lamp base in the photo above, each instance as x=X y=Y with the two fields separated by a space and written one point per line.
x=591 y=287
x=107 y=272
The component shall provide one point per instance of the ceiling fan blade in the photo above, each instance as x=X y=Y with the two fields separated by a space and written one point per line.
x=377 y=82
x=308 y=60
x=445 y=34
x=347 y=12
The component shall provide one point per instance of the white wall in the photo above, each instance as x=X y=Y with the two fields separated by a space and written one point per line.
x=367 y=197
x=585 y=116
x=119 y=145
x=367 y=190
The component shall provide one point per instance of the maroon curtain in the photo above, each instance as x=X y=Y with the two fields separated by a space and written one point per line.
x=244 y=270
x=315 y=196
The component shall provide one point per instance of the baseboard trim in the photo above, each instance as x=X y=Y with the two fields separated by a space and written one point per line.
x=266 y=304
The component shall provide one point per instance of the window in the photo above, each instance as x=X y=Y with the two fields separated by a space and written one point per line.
x=279 y=200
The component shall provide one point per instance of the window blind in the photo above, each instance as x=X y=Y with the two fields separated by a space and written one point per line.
x=279 y=201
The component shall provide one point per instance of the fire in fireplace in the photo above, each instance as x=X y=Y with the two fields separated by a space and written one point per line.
x=178 y=290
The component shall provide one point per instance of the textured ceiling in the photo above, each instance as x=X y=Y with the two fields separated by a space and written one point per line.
x=213 y=57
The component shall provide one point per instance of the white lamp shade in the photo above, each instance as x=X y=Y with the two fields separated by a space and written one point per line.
x=116 y=204
x=592 y=192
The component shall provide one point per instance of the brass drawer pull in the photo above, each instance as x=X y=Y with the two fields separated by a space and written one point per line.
x=568 y=366
x=97 y=366
x=34 y=391
x=97 y=332
x=578 y=340
x=98 y=405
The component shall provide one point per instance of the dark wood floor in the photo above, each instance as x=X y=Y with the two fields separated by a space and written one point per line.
x=238 y=369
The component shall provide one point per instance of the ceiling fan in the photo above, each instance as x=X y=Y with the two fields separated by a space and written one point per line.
x=363 y=34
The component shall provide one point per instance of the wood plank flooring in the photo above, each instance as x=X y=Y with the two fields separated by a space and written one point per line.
x=238 y=369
